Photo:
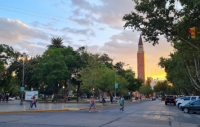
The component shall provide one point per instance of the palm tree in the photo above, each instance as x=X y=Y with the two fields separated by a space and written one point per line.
x=56 y=42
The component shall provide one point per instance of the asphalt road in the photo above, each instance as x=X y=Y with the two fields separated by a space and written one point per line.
x=144 y=114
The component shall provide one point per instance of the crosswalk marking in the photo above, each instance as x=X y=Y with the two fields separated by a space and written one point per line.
x=156 y=117
x=153 y=115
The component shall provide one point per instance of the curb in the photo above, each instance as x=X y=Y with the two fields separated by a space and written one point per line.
x=34 y=111
x=56 y=110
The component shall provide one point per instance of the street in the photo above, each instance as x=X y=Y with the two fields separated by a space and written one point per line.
x=146 y=113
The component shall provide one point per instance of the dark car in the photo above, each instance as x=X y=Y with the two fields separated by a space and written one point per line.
x=193 y=107
x=153 y=98
x=170 y=99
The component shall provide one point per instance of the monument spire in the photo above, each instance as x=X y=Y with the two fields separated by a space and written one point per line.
x=140 y=40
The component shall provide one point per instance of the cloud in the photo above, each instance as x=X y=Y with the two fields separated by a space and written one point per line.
x=13 y=31
x=31 y=48
x=86 y=32
x=110 y=12
x=83 y=21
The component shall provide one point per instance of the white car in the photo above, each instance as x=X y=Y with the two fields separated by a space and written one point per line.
x=183 y=104
x=179 y=98
x=186 y=100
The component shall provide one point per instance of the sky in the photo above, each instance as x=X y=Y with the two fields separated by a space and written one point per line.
x=29 y=25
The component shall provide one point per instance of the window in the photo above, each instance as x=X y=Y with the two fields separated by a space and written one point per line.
x=193 y=98
x=196 y=102
x=187 y=98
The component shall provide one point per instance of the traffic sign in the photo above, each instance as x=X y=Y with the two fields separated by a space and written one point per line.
x=22 y=89
x=116 y=85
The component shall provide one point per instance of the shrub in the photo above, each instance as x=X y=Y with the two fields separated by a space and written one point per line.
x=74 y=97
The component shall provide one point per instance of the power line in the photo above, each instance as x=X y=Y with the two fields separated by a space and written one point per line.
x=31 y=11
x=31 y=15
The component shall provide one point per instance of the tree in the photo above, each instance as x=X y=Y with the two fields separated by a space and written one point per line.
x=99 y=76
x=161 y=86
x=56 y=43
x=52 y=69
x=165 y=88
x=177 y=73
x=161 y=17
x=145 y=90
x=7 y=56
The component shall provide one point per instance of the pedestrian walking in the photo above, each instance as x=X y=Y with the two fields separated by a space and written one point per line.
x=33 y=102
x=122 y=103
x=111 y=99
x=103 y=100
x=7 y=98
x=92 y=104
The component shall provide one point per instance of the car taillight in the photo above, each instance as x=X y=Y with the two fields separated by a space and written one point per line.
x=165 y=99
x=174 y=100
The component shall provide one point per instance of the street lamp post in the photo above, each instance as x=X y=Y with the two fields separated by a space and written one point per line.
x=23 y=58
x=93 y=92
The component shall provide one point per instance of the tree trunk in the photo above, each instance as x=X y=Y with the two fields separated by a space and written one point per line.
x=77 y=99
x=69 y=88
x=65 y=93
x=55 y=97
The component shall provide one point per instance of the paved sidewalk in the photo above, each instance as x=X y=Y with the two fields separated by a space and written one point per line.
x=15 y=106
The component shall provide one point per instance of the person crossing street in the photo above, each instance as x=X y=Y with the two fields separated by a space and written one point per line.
x=92 y=104
x=122 y=103
x=33 y=102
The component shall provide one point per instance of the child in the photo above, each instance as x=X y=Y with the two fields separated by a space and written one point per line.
x=92 y=104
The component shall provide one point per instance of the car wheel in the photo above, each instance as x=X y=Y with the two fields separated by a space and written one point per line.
x=186 y=110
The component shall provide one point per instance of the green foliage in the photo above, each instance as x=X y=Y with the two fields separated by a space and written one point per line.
x=56 y=43
x=161 y=86
x=74 y=97
x=164 y=87
x=99 y=76
x=162 y=17
x=7 y=55
x=14 y=87
x=52 y=69
x=145 y=90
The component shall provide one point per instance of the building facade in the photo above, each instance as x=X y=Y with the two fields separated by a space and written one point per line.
x=141 y=60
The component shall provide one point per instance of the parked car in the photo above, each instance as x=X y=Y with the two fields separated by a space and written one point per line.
x=183 y=104
x=194 y=107
x=153 y=98
x=186 y=100
x=179 y=98
x=170 y=99
x=159 y=98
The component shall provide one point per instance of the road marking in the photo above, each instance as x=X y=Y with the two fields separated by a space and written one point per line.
x=156 y=117
x=186 y=115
